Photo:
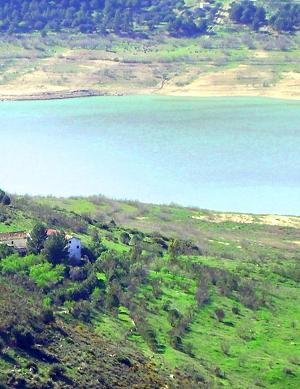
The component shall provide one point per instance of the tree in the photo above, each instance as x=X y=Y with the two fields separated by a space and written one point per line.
x=236 y=12
x=5 y=251
x=117 y=22
x=174 y=249
x=4 y=198
x=220 y=314
x=55 y=248
x=135 y=253
x=124 y=238
x=37 y=238
x=202 y=292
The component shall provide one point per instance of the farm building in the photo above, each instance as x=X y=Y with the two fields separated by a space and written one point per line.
x=18 y=240
x=74 y=249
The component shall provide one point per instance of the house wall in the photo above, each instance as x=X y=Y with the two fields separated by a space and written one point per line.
x=74 y=249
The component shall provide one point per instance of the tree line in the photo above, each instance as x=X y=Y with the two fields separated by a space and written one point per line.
x=286 y=17
x=102 y=16
x=137 y=16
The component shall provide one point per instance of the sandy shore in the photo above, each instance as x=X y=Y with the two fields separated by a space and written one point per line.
x=52 y=95
x=90 y=93
x=209 y=93
x=227 y=83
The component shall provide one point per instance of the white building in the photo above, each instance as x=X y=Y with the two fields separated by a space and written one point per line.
x=74 y=249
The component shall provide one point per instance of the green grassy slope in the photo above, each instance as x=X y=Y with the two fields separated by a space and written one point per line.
x=211 y=299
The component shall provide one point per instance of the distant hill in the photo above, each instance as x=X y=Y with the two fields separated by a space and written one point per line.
x=145 y=17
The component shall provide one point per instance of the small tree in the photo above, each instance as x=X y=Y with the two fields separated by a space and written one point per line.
x=174 y=249
x=2 y=345
x=124 y=238
x=5 y=251
x=55 y=248
x=4 y=198
x=225 y=347
x=2 y=194
x=202 y=292
x=220 y=314
x=37 y=238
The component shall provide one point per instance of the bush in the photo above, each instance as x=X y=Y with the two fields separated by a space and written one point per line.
x=77 y=274
x=220 y=314
x=124 y=238
x=4 y=198
x=45 y=275
x=236 y=310
x=5 y=251
x=82 y=311
x=2 y=345
x=57 y=372
x=23 y=337
x=48 y=316
x=14 y=263
x=225 y=347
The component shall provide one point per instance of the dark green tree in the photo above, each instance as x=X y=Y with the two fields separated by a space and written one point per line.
x=37 y=238
x=55 y=248
x=4 y=198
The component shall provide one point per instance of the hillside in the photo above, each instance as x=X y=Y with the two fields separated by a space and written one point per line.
x=56 y=49
x=167 y=297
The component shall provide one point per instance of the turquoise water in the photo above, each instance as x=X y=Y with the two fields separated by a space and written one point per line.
x=230 y=154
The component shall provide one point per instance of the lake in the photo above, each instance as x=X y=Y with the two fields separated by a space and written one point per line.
x=229 y=154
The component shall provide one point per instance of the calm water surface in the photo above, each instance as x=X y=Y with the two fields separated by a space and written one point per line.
x=237 y=154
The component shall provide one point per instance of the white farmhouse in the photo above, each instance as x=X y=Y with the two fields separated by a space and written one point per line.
x=74 y=249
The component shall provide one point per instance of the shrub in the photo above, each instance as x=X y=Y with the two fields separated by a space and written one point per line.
x=82 y=311
x=2 y=345
x=14 y=263
x=225 y=347
x=23 y=337
x=220 y=314
x=45 y=275
x=202 y=293
x=47 y=316
x=124 y=238
x=57 y=372
x=77 y=274
x=4 y=198
x=5 y=251
x=236 y=310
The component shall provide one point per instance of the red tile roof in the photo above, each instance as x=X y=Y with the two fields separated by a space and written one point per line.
x=51 y=231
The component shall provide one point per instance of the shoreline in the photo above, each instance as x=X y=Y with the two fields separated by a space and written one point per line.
x=72 y=94
x=55 y=95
